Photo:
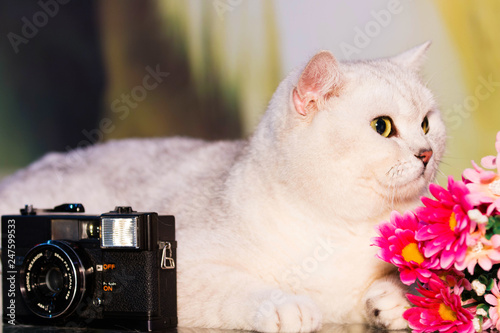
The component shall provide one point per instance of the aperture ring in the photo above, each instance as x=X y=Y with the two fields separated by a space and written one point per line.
x=52 y=279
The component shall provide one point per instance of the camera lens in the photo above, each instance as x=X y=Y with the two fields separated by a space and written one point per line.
x=52 y=279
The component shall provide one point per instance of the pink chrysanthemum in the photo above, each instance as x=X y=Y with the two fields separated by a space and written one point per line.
x=484 y=185
x=398 y=246
x=445 y=223
x=438 y=309
x=494 y=300
x=454 y=278
x=480 y=251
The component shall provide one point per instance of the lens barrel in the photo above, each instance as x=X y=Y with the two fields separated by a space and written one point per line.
x=52 y=279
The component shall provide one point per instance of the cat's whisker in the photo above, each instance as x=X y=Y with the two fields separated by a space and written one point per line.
x=445 y=163
x=452 y=157
x=391 y=171
x=387 y=199
x=441 y=162
x=442 y=174
x=430 y=79
x=394 y=192
x=455 y=158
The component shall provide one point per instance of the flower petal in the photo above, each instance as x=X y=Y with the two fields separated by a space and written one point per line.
x=485 y=263
x=408 y=276
x=447 y=259
x=487 y=177
x=489 y=162
x=471 y=174
x=492 y=300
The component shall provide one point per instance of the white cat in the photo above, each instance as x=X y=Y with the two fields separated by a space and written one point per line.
x=274 y=231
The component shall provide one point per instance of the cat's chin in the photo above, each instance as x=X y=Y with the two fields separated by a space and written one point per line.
x=410 y=187
x=413 y=189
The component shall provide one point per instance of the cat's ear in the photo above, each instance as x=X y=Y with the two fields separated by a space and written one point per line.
x=319 y=80
x=414 y=57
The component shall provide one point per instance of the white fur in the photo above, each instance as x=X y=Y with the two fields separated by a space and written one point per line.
x=273 y=232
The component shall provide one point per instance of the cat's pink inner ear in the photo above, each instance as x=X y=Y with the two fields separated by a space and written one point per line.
x=318 y=80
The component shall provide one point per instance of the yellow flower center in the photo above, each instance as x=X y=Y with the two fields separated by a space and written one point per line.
x=453 y=222
x=446 y=312
x=412 y=253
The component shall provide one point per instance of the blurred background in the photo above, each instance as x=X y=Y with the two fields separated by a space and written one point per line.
x=75 y=73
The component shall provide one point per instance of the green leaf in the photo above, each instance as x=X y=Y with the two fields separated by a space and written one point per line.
x=490 y=285
x=491 y=222
x=484 y=280
x=486 y=308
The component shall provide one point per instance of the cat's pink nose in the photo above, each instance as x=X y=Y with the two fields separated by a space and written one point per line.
x=425 y=156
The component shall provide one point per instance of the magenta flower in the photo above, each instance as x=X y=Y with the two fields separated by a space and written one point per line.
x=398 y=246
x=445 y=223
x=484 y=185
x=438 y=309
x=494 y=300
x=454 y=278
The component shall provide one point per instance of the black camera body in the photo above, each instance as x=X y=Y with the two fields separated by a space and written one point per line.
x=61 y=267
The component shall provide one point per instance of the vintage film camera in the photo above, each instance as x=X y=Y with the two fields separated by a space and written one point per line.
x=61 y=267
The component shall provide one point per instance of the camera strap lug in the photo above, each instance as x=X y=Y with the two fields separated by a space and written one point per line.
x=167 y=262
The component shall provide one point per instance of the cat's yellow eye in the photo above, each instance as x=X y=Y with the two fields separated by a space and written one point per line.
x=425 y=125
x=383 y=126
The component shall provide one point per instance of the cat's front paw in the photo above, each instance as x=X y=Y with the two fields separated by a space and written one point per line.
x=288 y=313
x=385 y=302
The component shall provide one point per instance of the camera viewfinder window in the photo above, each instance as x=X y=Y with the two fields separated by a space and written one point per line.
x=65 y=229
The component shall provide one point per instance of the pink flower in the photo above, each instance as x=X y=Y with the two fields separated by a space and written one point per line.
x=484 y=185
x=494 y=300
x=454 y=278
x=487 y=323
x=480 y=251
x=398 y=246
x=438 y=309
x=445 y=223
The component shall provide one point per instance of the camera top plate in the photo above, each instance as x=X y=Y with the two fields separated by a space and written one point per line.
x=64 y=208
